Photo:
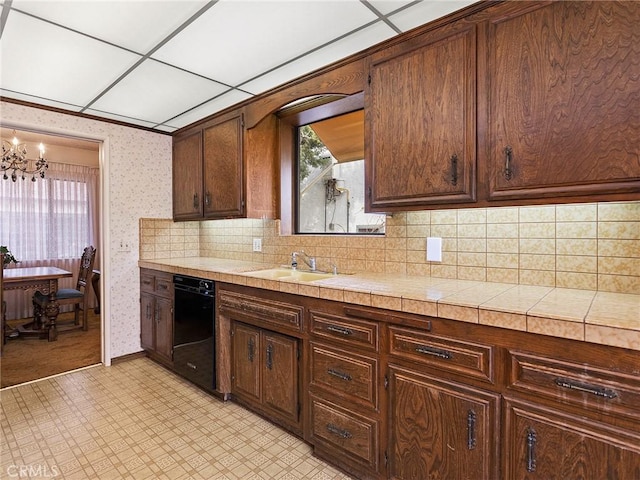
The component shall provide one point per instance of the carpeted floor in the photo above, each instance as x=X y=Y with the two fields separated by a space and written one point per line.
x=24 y=359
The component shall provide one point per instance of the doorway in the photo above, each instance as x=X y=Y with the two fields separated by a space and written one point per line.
x=26 y=359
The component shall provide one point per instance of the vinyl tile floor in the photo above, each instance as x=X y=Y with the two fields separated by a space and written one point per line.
x=136 y=420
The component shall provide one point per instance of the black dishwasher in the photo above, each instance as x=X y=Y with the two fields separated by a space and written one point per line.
x=194 y=353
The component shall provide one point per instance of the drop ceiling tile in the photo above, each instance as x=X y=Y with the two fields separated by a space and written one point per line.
x=136 y=25
x=155 y=92
x=220 y=103
x=120 y=118
x=40 y=101
x=425 y=12
x=57 y=64
x=248 y=37
x=354 y=43
x=387 y=6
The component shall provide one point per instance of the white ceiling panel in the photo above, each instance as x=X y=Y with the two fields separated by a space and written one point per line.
x=85 y=55
x=136 y=25
x=354 y=43
x=425 y=12
x=119 y=118
x=156 y=92
x=53 y=63
x=41 y=101
x=220 y=103
x=248 y=37
x=387 y=6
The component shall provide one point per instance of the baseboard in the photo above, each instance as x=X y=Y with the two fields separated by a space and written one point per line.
x=127 y=357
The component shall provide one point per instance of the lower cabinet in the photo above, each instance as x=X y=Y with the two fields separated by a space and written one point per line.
x=440 y=429
x=265 y=373
x=156 y=314
x=346 y=410
x=547 y=444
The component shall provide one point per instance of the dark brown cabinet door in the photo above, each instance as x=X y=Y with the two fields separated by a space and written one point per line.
x=147 y=319
x=187 y=176
x=223 y=168
x=281 y=375
x=420 y=128
x=440 y=430
x=549 y=445
x=563 y=103
x=246 y=379
x=164 y=327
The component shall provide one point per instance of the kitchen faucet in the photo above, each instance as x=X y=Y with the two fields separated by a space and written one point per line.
x=310 y=261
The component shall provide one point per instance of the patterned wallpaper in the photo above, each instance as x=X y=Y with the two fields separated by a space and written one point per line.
x=138 y=182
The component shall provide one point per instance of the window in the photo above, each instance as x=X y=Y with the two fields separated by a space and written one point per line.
x=51 y=218
x=326 y=158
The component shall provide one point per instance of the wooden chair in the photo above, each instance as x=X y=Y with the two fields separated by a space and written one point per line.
x=78 y=296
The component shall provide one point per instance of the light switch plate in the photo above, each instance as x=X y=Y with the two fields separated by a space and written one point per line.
x=434 y=249
x=257 y=244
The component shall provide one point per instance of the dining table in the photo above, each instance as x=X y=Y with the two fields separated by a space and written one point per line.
x=45 y=280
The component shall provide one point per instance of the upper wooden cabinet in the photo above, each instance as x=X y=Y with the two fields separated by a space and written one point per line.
x=563 y=110
x=221 y=170
x=187 y=176
x=420 y=121
x=223 y=167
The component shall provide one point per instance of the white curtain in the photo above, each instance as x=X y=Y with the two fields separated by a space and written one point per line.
x=49 y=222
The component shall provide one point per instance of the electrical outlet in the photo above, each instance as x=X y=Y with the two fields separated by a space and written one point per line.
x=124 y=246
x=257 y=244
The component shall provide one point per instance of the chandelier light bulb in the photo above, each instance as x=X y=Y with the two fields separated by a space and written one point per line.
x=14 y=161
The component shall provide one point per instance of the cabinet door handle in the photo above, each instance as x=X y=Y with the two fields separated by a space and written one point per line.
x=583 y=387
x=148 y=311
x=331 y=428
x=250 y=349
x=531 y=450
x=341 y=375
x=340 y=330
x=436 y=352
x=471 y=429
x=270 y=357
x=207 y=199
x=454 y=169
x=195 y=201
x=508 y=157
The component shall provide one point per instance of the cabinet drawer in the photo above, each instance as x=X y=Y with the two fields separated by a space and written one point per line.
x=345 y=374
x=360 y=333
x=462 y=357
x=344 y=432
x=147 y=281
x=164 y=286
x=269 y=312
x=572 y=383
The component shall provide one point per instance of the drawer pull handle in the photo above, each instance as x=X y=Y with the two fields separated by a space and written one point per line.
x=436 y=352
x=331 y=428
x=471 y=430
x=583 y=387
x=337 y=373
x=192 y=366
x=531 y=450
x=341 y=330
x=162 y=286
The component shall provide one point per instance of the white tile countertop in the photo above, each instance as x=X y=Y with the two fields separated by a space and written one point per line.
x=592 y=316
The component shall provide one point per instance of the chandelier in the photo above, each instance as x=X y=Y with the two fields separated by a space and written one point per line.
x=14 y=160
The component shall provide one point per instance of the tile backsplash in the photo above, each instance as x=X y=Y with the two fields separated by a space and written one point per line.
x=592 y=246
